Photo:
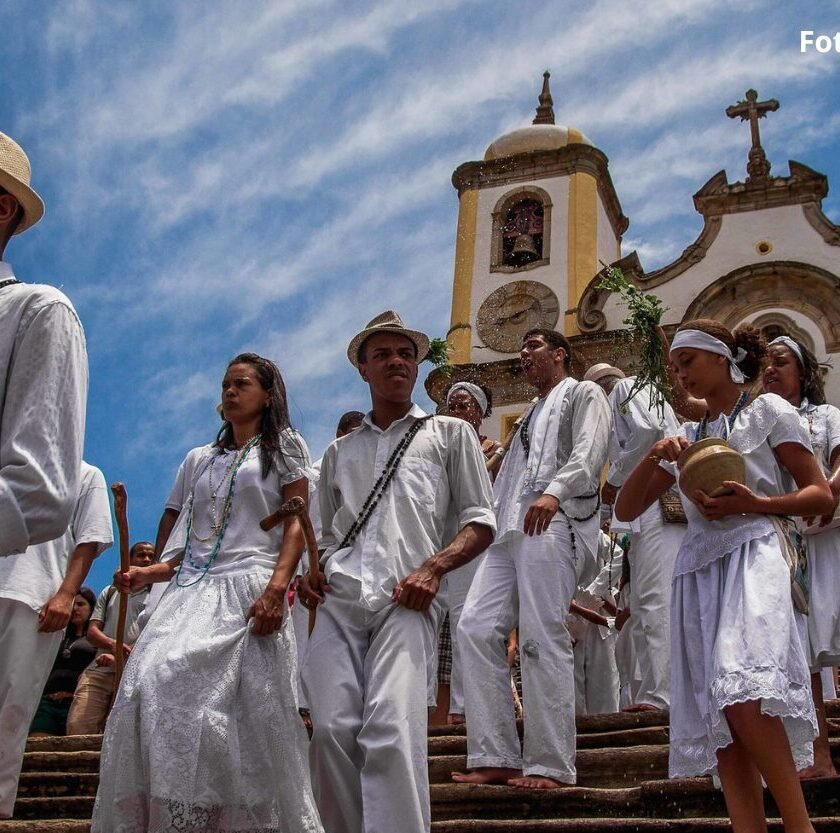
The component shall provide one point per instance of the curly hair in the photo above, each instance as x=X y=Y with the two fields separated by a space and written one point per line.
x=751 y=339
x=275 y=417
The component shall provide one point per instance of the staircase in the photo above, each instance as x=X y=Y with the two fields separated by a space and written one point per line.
x=622 y=765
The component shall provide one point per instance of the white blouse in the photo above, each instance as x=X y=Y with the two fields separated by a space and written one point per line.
x=244 y=546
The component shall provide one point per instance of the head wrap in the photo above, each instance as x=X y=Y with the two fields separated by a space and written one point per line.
x=474 y=391
x=787 y=341
x=698 y=340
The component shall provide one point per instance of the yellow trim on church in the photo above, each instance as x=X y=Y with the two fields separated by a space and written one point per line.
x=460 y=331
x=583 y=241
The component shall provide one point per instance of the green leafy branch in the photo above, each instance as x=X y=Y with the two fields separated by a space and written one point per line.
x=439 y=355
x=645 y=315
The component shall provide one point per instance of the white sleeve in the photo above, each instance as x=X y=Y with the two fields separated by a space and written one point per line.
x=43 y=426
x=92 y=518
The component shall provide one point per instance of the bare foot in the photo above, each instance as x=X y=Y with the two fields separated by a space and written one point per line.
x=534 y=782
x=456 y=719
x=641 y=707
x=487 y=775
x=818 y=770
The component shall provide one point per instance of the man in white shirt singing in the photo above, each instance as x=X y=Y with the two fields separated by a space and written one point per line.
x=546 y=496
x=387 y=492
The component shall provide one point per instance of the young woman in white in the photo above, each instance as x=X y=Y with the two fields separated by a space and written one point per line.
x=794 y=374
x=740 y=690
x=205 y=735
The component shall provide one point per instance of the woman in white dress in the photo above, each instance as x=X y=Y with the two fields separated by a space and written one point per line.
x=740 y=690
x=205 y=735
x=793 y=373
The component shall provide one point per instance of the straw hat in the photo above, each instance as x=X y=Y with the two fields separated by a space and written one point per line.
x=15 y=174
x=388 y=322
x=598 y=371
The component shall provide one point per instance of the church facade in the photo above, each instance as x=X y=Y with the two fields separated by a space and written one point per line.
x=539 y=219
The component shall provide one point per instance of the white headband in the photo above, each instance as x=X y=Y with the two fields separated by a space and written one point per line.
x=474 y=391
x=787 y=341
x=699 y=340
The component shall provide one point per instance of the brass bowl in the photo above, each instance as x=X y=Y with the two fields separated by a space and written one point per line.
x=706 y=464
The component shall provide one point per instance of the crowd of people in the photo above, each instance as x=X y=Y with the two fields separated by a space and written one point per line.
x=562 y=591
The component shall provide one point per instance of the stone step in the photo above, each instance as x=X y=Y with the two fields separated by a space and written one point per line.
x=66 y=807
x=590 y=825
x=68 y=743
x=676 y=798
x=45 y=826
x=82 y=761
x=57 y=784
x=595 y=767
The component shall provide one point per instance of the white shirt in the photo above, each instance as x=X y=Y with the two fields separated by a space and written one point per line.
x=823 y=425
x=442 y=479
x=43 y=391
x=245 y=546
x=583 y=436
x=185 y=476
x=106 y=611
x=636 y=427
x=34 y=577
x=609 y=565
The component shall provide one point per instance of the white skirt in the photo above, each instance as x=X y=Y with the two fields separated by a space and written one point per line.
x=734 y=639
x=824 y=614
x=205 y=734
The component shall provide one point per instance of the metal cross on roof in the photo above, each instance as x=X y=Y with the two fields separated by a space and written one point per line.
x=758 y=168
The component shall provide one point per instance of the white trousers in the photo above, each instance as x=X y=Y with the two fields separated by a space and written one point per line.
x=527 y=581
x=596 y=674
x=653 y=551
x=300 y=623
x=625 y=661
x=365 y=681
x=26 y=658
x=458 y=584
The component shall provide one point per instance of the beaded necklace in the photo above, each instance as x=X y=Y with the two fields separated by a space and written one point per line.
x=226 y=512
x=215 y=519
x=8 y=282
x=381 y=484
x=703 y=426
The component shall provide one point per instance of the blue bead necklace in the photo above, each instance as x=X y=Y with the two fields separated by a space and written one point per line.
x=225 y=519
x=703 y=427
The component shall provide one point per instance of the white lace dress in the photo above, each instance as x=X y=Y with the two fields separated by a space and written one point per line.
x=734 y=636
x=823 y=620
x=205 y=735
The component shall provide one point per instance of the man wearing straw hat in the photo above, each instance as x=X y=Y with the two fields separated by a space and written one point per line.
x=388 y=490
x=636 y=426
x=43 y=389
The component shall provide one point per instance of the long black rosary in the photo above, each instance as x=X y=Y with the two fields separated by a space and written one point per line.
x=378 y=490
x=8 y=282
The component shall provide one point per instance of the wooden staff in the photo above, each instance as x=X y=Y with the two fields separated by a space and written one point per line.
x=121 y=511
x=495 y=459
x=297 y=507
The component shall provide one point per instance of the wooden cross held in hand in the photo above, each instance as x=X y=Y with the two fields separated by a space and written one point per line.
x=752 y=110
x=121 y=511
x=297 y=507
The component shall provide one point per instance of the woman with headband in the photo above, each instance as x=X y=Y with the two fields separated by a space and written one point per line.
x=794 y=374
x=472 y=403
x=740 y=692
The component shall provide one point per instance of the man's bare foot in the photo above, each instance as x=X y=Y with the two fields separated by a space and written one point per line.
x=534 y=782
x=456 y=719
x=819 y=769
x=487 y=775
x=641 y=707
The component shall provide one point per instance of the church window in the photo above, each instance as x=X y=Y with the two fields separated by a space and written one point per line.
x=521 y=230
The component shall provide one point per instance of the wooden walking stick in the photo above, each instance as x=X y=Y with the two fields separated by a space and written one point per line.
x=297 y=507
x=121 y=511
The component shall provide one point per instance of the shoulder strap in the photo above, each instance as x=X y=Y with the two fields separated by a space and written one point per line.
x=382 y=483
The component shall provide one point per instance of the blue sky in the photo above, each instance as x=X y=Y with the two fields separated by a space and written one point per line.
x=270 y=175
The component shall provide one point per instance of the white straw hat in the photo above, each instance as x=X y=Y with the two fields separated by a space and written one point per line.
x=388 y=322
x=15 y=175
x=598 y=371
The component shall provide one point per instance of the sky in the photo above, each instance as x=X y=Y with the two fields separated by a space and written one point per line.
x=268 y=176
